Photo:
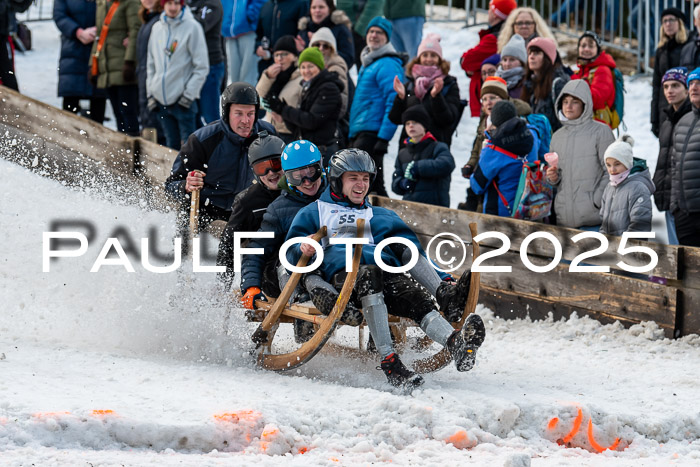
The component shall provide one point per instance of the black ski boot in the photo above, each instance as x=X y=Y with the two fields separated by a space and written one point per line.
x=452 y=298
x=398 y=375
x=464 y=343
x=324 y=301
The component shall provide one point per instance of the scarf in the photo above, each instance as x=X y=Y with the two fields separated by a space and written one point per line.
x=368 y=56
x=615 y=180
x=424 y=77
x=561 y=116
x=281 y=81
x=512 y=76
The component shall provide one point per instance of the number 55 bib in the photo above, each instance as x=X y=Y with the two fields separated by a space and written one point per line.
x=341 y=221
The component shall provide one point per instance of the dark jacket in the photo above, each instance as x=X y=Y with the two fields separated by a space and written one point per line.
x=668 y=56
x=148 y=119
x=247 y=213
x=278 y=18
x=663 y=174
x=546 y=106
x=433 y=166
x=9 y=8
x=278 y=220
x=690 y=54
x=69 y=16
x=444 y=109
x=317 y=117
x=209 y=13
x=220 y=153
x=685 y=193
x=395 y=9
x=339 y=24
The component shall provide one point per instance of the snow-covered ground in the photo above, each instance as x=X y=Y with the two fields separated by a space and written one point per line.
x=119 y=368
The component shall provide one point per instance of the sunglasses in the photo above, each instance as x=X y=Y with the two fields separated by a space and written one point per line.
x=323 y=45
x=261 y=168
x=311 y=173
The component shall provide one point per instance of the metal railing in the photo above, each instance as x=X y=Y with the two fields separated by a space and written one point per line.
x=41 y=10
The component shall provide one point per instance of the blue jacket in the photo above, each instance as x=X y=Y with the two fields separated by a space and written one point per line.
x=432 y=165
x=277 y=219
x=374 y=96
x=240 y=16
x=220 y=153
x=279 y=18
x=502 y=169
x=69 y=16
x=383 y=224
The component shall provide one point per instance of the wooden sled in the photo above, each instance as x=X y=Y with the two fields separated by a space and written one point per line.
x=277 y=311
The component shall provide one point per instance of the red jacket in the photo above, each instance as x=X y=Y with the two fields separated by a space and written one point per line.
x=471 y=63
x=603 y=83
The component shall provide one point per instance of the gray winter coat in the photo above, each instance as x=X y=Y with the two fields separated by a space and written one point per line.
x=581 y=144
x=627 y=206
x=177 y=65
x=685 y=190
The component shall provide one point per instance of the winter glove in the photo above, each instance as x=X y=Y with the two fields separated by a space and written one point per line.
x=411 y=172
x=407 y=185
x=185 y=102
x=92 y=78
x=655 y=130
x=252 y=294
x=152 y=104
x=467 y=171
x=380 y=147
x=129 y=71
x=275 y=104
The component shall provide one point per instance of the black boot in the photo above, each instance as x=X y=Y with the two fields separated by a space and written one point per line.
x=303 y=331
x=452 y=298
x=398 y=375
x=324 y=301
x=464 y=342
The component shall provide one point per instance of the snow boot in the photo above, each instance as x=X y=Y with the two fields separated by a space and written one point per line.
x=324 y=300
x=303 y=331
x=398 y=375
x=452 y=298
x=463 y=343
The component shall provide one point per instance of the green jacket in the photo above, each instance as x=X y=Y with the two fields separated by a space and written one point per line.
x=125 y=23
x=360 y=17
x=395 y=9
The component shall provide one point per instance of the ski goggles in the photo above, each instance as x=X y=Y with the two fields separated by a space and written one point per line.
x=311 y=173
x=261 y=168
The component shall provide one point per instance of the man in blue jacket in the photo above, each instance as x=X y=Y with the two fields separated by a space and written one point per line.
x=214 y=158
x=370 y=127
x=238 y=29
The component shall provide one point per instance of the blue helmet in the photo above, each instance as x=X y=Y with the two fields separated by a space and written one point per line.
x=299 y=154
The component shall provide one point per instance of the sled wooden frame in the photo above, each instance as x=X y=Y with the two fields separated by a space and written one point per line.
x=274 y=313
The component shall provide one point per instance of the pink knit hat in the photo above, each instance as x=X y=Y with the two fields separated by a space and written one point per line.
x=547 y=45
x=431 y=43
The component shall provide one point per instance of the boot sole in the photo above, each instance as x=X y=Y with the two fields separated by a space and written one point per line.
x=473 y=334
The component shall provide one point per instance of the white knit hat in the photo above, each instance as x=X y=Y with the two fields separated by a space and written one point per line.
x=515 y=48
x=621 y=150
x=324 y=35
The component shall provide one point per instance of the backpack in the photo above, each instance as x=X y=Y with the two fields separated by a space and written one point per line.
x=612 y=116
x=534 y=197
x=544 y=130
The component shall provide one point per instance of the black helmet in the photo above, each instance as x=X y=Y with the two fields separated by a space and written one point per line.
x=265 y=146
x=349 y=160
x=238 y=93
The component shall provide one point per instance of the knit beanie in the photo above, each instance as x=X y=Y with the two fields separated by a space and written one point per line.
x=287 y=44
x=515 y=48
x=621 y=150
x=675 y=12
x=430 y=43
x=416 y=113
x=695 y=74
x=502 y=8
x=313 y=55
x=502 y=112
x=324 y=35
x=494 y=60
x=382 y=23
x=679 y=73
x=163 y=2
x=495 y=85
x=546 y=45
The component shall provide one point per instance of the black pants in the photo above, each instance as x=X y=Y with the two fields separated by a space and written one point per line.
x=97 y=107
x=125 y=104
x=360 y=44
x=366 y=140
x=687 y=228
x=7 y=64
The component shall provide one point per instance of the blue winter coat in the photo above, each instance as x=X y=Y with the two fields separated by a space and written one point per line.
x=73 y=66
x=279 y=18
x=240 y=16
x=277 y=219
x=219 y=152
x=502 y=169
x=383 y=224
x=432 y=164
x=374 y=96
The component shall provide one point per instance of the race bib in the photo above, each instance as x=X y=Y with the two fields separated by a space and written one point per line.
x=341 y=221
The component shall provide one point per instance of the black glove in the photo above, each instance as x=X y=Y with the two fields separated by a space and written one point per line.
x=185 y=102
x=655 y=130
x=467 y=171
x=152 y=104
x=380 y=147
x=129 y=71
x=92 y=78
x=407 y=185
x=275 y=104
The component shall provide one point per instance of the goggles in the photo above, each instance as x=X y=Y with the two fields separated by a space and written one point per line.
x=311 y=173
x=261 y=168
